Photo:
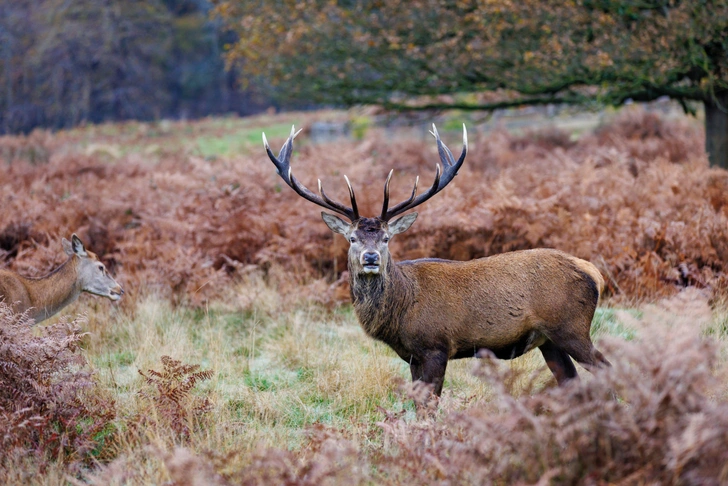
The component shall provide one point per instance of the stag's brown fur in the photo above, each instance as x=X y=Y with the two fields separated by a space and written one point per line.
x=430 y=311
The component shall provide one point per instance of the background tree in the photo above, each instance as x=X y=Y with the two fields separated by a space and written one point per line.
x=65 y=62
x=477 y=55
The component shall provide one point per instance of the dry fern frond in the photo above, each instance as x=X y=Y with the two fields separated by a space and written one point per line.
x=50 y=404
x=172 y=400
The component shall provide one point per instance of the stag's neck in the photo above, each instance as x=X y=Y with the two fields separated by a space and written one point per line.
x=381 y=301
x=51 y=293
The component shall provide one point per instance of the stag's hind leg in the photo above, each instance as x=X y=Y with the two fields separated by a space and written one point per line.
x=558 y=362
x=580 y=348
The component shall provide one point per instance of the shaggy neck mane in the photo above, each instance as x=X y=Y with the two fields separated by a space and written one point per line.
x=381 y=300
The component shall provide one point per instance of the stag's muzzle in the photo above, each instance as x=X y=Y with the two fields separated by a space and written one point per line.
x=370 y=261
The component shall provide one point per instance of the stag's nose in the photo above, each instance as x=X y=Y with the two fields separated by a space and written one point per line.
x=370 y=258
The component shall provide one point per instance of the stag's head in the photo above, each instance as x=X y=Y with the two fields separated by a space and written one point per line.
x=369 y=237
x=92 y=275
x=368 y=240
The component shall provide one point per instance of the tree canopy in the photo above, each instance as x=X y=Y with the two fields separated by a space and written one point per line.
x=470 y=54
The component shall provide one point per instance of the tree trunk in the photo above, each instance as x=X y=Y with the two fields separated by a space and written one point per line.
x=716 y=130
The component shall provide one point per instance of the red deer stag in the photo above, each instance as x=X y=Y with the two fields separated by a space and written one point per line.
x=45 y=296
x=430 y=311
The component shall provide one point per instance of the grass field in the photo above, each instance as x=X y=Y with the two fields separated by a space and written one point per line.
x=298 y=394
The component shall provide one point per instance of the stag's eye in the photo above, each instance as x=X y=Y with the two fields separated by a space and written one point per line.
x=352 y=239
x=386 y=239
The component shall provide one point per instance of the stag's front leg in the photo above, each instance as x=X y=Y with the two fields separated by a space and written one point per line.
x=429 y=372
x=416 y=370
x=432 y=370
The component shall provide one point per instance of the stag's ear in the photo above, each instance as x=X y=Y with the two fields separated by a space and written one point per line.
x=77 y=246
x=402 y=224
x=336 y=224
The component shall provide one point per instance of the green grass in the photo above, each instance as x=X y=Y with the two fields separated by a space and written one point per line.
x=240 y=140
x=209 y=138
x=284 y=370
x=606 y=322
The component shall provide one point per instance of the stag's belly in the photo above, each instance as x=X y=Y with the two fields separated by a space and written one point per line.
x=501 y=349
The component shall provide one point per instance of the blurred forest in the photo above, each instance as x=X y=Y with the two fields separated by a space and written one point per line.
x=474 y=55
x=65 y=62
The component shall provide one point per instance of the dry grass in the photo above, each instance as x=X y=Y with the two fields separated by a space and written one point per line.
x=228 y=271
x=301 y=396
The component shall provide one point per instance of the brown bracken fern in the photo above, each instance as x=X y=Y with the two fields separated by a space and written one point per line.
x=637 y=198
x=50 y=404
x=171 y=397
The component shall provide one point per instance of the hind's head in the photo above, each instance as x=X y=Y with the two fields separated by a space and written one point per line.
x=92 y=275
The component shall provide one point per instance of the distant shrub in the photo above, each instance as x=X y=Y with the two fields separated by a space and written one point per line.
x=547 y=139
x=33 y=148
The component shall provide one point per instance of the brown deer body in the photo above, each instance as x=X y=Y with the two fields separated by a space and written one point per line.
x=43 y=297
x=430 y=311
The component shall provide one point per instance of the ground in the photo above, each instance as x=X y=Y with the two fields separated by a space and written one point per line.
x=226 y=269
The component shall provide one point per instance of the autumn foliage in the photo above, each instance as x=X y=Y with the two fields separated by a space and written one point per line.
x=636 y=198
x=482 y=55
x=170 y=394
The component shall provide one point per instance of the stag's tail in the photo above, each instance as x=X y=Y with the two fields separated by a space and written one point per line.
x=592 y=271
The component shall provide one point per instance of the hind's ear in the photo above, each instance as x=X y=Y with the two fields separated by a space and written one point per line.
x=336 y=224
x=77 y=246
x=402 y=224
x=67 y=248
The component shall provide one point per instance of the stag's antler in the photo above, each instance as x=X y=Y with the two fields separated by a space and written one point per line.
x=450 y=170
x=283 y=166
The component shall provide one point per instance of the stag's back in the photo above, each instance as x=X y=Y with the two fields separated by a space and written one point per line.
x=496 y=301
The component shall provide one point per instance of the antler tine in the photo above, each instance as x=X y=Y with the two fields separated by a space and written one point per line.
x=283 y=167
x=385 y=204
x=282 y=162
x=450 y=169
x=383 y=217
x=352 y=213
x=352 y=197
